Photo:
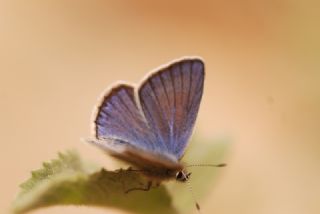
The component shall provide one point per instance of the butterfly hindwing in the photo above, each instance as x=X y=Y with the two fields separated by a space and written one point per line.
x=143 y=159
x=118 y=117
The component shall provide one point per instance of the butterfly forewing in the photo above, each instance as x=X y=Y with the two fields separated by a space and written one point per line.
x=170 y=100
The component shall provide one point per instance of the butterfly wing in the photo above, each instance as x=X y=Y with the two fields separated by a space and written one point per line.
x=118 y=117
x=136 y=156
x=170 y=100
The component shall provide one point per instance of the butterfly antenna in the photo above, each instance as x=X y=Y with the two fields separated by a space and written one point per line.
x=209 y=165
x=193 y=196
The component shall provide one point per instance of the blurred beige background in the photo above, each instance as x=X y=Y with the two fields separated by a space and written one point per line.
x=262 y=88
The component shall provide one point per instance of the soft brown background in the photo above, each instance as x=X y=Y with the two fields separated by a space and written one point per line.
x=262 y=88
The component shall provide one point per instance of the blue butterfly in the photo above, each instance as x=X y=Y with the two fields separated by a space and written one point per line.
x=149 y=126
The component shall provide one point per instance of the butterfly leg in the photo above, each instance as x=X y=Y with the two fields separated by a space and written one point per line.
x=147 y=188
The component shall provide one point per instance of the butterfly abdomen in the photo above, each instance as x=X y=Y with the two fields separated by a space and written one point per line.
x=159 y=174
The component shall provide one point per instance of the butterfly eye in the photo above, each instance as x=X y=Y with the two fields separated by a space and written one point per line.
x=182 y=176
x=179 y=176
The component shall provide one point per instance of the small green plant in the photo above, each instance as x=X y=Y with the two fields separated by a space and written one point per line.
x=68 y=180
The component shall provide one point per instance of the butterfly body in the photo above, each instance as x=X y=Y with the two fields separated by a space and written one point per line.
x=152 y=168
x=149 y=126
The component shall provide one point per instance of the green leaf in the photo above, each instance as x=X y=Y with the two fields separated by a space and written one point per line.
x=70 y=181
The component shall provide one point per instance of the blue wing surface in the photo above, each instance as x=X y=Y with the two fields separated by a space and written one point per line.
x=170 y=100
x=118 y=117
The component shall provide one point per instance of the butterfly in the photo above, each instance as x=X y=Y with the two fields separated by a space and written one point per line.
x=149 y=126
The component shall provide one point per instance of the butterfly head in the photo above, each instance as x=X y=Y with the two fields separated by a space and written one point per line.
x=183 y=175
